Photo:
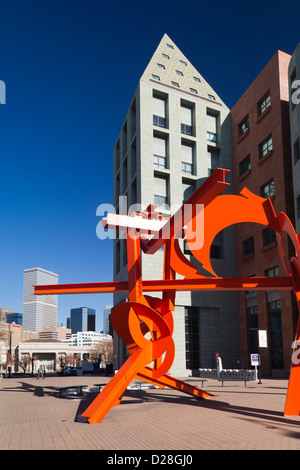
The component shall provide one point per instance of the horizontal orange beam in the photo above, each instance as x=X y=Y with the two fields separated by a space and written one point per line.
x=205 y=283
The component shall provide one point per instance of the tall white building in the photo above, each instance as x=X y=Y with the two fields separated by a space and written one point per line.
x=39 y=312
x=176 y=132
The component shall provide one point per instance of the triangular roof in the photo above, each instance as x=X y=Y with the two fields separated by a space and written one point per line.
x=169 y=66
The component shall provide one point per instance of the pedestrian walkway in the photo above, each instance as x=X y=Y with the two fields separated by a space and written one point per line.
x=33 y=417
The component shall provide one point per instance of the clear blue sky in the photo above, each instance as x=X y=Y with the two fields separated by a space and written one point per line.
x=71 y=68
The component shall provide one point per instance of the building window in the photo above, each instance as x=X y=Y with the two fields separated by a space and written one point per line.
x=245 y=165
x=194 y=91
x=296 y=151
x=192 y=337
x=160 y=152
x=275 y=334
x=272 y=272
x=165 y=56
x=183 y=62
x=269 y=236
x=161 y=66
x=264 y=104
x=197 y=79
x=268 y=189
x=252 y=315
x=243 y=126
x=179 y=72
x=212 y=127
x=265 y=147
x=298 y=207
x=214 y=160
x=170 y=46
x=248 y=246
x=161 y=191
x=188 y=190
x=186 y=116
x=216 y=249
x=187 y=159
x=155 y=77
x=175 y=84
x=159 y=111
x=211 y=97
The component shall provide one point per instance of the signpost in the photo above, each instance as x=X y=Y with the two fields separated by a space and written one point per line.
x=262 y=343
x=255 y=361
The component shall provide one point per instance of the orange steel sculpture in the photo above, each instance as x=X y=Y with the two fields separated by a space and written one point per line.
x=150 y=359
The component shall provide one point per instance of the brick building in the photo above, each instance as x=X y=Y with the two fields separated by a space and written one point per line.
x=261 y=159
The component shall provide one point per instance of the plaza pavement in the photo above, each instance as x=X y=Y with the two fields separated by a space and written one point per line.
x=33 y=417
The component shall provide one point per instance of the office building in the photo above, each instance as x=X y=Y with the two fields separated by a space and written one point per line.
x=3 y=314
x=39 y=312
x=176 y=132
x=294 y=86
x=106 y=319
x=261 y=155
x=14 y=317
x=82 y=319
x=87 y=338
x=58 y=334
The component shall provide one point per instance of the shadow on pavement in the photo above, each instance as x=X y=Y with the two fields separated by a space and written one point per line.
x=166 y=396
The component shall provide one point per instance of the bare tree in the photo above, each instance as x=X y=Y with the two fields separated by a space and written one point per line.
x=24 y=361
x=2 y=357
x=103 y=353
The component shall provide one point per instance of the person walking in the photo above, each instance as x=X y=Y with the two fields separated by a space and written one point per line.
x=40 y=373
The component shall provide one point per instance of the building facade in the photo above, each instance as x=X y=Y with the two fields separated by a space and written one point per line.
x=294 y=86
x=3 y=314
x=82 y=319
x=106 y=319
x=59 y=333
x=176 y=132
x=39 y=312
x=87 y=338
x=261 y=155
x=15 y=317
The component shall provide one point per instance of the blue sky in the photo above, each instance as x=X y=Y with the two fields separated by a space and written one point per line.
x=71 y=68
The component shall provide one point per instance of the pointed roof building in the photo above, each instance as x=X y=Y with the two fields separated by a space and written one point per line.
x=170 y=67
x=176 y=132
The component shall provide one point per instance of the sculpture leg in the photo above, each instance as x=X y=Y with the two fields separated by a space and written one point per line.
x=113 y=391
x=176 y=384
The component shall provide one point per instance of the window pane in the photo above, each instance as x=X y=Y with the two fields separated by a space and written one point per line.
x=187 y=153
x=245 y=165
x=248 y=246
x=265 y=147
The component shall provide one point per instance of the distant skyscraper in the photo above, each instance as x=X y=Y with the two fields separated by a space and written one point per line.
x=107 y=312
x=39 y=311
x=82 y=319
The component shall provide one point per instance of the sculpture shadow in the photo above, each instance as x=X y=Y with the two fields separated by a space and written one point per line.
x=166 y=396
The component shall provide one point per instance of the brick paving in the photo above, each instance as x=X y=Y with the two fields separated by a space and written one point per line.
x=33 y=417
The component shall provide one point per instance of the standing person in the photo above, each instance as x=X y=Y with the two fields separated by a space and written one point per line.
x=40 y=372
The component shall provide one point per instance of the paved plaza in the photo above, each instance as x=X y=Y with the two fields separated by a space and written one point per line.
x=34 y=417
